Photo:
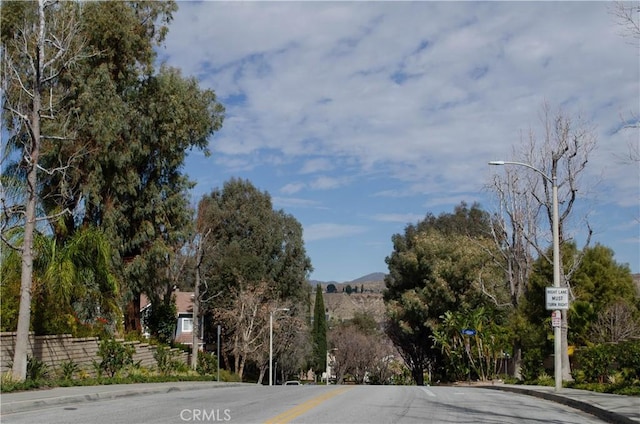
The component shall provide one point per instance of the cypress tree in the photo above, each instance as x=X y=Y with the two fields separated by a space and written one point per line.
x=319 y=333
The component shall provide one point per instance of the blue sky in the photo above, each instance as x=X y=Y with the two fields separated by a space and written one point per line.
x=361 y=117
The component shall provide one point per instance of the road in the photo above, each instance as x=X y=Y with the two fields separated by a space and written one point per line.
x=313 y=404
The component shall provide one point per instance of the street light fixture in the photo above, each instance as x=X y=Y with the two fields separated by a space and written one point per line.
x=271 y=343
x=557 y=331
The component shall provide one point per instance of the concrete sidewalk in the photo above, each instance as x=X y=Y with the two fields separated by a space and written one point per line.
x=615 y=409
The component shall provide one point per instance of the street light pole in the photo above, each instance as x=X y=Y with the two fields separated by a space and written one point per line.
x=555 y=229
x=271 y=343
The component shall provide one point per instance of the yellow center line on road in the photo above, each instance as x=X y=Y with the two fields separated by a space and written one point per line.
x=298 y=410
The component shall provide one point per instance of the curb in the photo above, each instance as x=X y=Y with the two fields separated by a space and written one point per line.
x=603 y=414
x=33 y=404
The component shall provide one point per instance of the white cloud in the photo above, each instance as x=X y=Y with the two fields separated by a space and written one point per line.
x=327 y=183
x=404 y=100
x=403 y=218
x=292 y=188
x=327 y=230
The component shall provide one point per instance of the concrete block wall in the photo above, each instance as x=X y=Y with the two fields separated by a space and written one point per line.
x=55 y=349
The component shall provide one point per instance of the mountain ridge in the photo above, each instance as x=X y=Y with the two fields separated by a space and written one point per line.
x=374 y=277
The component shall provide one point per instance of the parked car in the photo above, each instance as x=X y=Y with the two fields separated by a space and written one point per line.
x=292 y=383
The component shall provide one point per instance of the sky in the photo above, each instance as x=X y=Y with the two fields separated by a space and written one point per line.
x=359 y=118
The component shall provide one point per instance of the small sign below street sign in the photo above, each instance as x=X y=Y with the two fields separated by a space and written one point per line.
x=469 y=332
x=557 y=298
x=556 y=319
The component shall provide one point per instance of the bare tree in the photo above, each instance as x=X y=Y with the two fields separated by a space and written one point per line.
x=561 y=151
x=246 y=320
x=34 y=59
x=627 y=16
x=291 y=344
x=615 y=324
x=362 y=355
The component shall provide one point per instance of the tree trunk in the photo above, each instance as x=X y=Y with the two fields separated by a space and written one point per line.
x=263 y=371
x=517 y=360
x=418 y=376
x=132 y=315
x=566 y=365
x=241 y=370
x=19 y=368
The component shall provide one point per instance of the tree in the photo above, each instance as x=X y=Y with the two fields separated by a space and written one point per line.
x=616 y=323
x=597 y=285
x=441 y=264
x=291 y=344
x=74 y=288
x=133 y=125
x=319 y=333
x=40 y=43
x=561 y=153
x=249 y=245
x=253 y=243
x=247 y=320
x=361 y=351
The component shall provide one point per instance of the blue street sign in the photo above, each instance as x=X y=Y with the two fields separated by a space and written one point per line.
x=469 y=332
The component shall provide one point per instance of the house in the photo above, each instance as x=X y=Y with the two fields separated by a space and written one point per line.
x=184 y=317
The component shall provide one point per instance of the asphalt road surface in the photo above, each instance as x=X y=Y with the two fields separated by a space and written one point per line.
x=313 y=404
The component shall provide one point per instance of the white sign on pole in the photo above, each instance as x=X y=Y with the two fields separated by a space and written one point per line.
x=556 y=319
x=557 y=298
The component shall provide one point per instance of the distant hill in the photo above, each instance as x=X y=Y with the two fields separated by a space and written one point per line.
x=375 y=277
x=369 y=278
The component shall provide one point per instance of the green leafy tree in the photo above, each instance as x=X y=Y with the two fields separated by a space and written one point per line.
x=74 y=287
x=161 y=319
x=596 y=284
x=33 y=98
x=439 y=265
x=114 y=140
x=251 y=243
x=319 y=333
x=134 y=126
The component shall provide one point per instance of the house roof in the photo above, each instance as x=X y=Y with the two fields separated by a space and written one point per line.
x=184 y=302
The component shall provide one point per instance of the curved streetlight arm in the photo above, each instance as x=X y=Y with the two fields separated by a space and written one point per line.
x=504 y=162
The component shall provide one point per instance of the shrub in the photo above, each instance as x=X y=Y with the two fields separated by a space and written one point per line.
x=532 y=364
x=207 y=363
x=68 y=369
x=36 y=369
x=168 y=361
x=228 y=376
x=115 y=356
x=617 y=364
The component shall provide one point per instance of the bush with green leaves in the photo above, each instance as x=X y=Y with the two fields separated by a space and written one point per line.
x=598 y=363
x=168 y=360
x=68 y=369
x=36 y=369
x=594 y=363
x=532 y=364
x=115 y=356
x=207 y=363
